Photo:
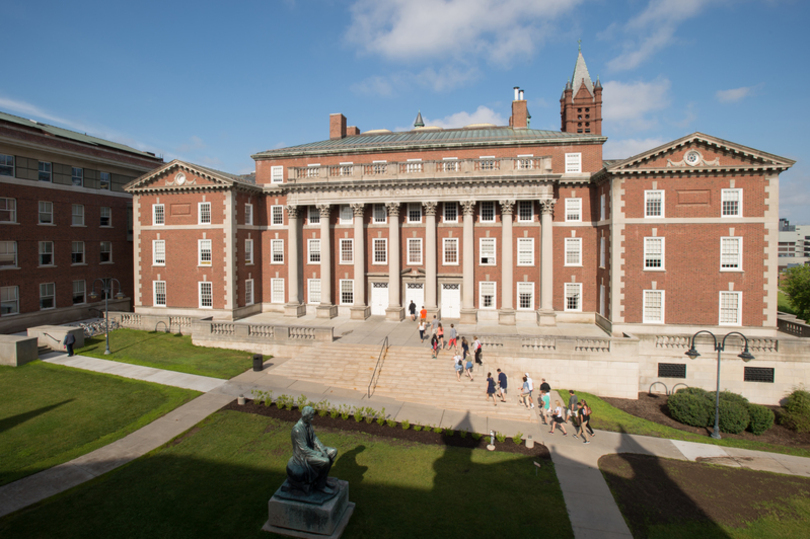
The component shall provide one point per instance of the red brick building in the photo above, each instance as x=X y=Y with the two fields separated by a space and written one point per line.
x=483 y=222
x=65 y=221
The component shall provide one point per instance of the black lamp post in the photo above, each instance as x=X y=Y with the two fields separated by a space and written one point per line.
x=107 y=288
x=745 y=356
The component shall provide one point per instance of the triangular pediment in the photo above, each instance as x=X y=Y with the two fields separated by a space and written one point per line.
x=181 y=175
x=700 y=152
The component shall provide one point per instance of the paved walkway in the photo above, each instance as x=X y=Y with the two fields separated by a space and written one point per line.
x=591 y=507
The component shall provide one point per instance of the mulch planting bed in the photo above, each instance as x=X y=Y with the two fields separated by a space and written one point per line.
x=654 y=491
x=424 y=436
x=654 y=408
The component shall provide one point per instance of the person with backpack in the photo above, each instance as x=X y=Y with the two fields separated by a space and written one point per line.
x=579 y=423
x=458 y=365
x=434 y=344
x=477 y=350
x=587 y=417
x=440 y=335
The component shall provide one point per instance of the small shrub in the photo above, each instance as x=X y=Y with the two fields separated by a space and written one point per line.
x=438 y=430
x=476 y=436
x=391 y=423
x=334 y=412
x=761 y=418
x=449 y=432
x=690 y=408
x=358 y=414
x=345 y=412
x=405 y=424
x=285 y=401
x=462 y=433
x=796 y=415
x=518 y=438
x=302 y=401
x=734 y=416
x=322 y=407
x=417 y=428
x=381 y=417
x=501 y=437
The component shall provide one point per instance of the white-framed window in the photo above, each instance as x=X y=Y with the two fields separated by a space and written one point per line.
x=314 y=215
x=347 y=251
x=248 y=291
x=414 y=251
x=573 y=297
x=486 y=248
x=104 y=180
x=731 y=253
x=525 y=252
x=487 y=295
x=380 y=214
x=573 y=251
x=653 y=307
x=314 y=288
x=9 y=300
x=77 y=215
x=732 y=202
x=525 y=296
x=158 y=214
x=414 y=212
x=248 y=214
x=78 y=292
x=314 y=251
x=204 y=252
x=450 y=210
x=77 y=252
x=346 y=291
x=47 y=296
x=345 y=215
x=487 y=211
x=206 y=294
x=450 y=164
x=6 y=165
x=525 y=213
x=158 y=252
x=46 y=253
x=106 y=216
x=277 y=290
x=413 y=165
x=730 y=308
x=277 y=174
x=573 y=210
x=277 y=251
x=602 y=207
x=159 y=293
x=380 y=249
x=653 y=203
x=8 y=210
x=450 y=250
x=573 y=163
x=249 y=251
x=654 y=254
x=106 y=252
x=45 y=213
x=204 y=213
x=8 y=254
x=77 y=176
x=276 y=215
x=602 y=242
x=44 y=171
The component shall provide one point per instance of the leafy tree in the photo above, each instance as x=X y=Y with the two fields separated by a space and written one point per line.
x=797 y=287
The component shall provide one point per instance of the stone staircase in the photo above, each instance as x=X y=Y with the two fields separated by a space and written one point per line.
x=409 y=374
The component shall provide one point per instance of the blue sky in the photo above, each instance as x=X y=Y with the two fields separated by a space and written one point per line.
x=214 y=82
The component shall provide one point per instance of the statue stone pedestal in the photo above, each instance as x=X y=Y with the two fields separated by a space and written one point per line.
x=312 y=516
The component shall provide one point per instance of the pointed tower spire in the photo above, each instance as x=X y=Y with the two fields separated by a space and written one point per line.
x=419 y=122
x=581 y=112
x=581 y=75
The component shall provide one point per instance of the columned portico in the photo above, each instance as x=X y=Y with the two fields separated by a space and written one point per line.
x=326 y=309
x=431 y=303
x=360 y=311
x=294 y=307
x=468 y=313
x=546 y=315
x=506 y=316
x=395 y=311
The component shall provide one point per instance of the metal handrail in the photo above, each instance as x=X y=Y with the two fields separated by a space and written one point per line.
x=378 y=368
x=52 y=337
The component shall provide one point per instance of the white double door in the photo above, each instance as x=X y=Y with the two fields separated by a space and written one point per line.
x=451 y=301
x=379 y=298
x=414 y=292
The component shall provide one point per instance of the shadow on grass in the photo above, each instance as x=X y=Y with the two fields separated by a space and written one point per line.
x=13 y=421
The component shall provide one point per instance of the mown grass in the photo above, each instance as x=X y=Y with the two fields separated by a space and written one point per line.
x=607 y=417
x=783 y=304
x=168 y=351
x=51 y=414
x=216 y=481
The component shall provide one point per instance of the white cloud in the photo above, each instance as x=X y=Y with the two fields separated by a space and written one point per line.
x=629 y=106
x=481 y=115
x=735 y=94
x=499 y=30
x=624 y=148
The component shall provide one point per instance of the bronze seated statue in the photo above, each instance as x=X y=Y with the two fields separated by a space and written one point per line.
x=308 y=468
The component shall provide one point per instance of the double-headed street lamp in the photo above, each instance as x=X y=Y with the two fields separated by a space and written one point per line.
x=107 y=288
x=745 y=356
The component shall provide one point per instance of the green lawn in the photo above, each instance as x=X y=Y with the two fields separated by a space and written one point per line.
x=51 y=414
x=607 y=417
x=168 y=351
x=783 y=304
x=215 y=482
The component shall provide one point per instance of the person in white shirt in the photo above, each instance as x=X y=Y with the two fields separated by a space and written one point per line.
x=458 y=365
x=558 y=419
x=531 y=388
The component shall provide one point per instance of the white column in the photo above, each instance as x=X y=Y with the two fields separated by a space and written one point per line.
x=469 y=314
x=546 y=315
x=506 y=315
x=326 y=309
x=431 y=303
x=394 y=310
x=294 y=306
x=359 y=310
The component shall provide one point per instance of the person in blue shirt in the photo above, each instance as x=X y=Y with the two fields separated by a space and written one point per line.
x=502 y=385
x=491 y=388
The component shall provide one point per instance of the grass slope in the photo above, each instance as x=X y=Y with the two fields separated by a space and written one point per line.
x=51 y=414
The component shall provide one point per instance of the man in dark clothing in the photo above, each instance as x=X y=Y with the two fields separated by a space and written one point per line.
x=412 y=310
x=502 y=385
x=69 y=341
x=545 y=387
x=572 y=404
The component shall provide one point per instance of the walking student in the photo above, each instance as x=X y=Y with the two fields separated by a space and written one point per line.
x=558 y=419
x=580 y=423
x=434 y=344
x=69 y=341
x=531 y=389
x=440 y=334
x=545 y=402
x=458 y=364
x=502 y=382
x=434 y=325
x=572 y=404
x=523 y=398
x=465 y=348
x=422 y=331
x=491 y=388
x=412 y=310
x=423 y=315
x=477 y=350
x=587 y=417
x=452 y=342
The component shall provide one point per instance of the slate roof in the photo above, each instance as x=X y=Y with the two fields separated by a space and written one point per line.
x=580 y=73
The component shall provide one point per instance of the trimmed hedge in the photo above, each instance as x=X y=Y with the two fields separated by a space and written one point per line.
x=695 y=407
x=689 y=408
x=761 y=418
x=797 y=411
x=734 y=416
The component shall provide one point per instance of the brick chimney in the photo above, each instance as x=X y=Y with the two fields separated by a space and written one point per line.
x=520 y=111
x=352 y=130
x=337 y=126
